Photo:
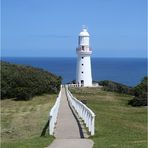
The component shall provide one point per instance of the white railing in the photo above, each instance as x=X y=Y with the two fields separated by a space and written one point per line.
x=81 y=85
x=83 y=111
x=53 y=114
x=74 y=85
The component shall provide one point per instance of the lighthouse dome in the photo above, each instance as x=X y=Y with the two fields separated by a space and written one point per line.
x=84 y=32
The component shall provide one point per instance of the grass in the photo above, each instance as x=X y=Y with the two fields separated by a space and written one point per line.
x=22 y=122
x=36 y=142
x=117 y=125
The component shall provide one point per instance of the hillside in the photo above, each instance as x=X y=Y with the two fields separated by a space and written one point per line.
x=139 y=92
x=115 y=87
x=24 y=82
x=117 y=124
x=22 y=122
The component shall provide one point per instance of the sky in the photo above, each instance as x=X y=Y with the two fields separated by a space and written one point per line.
x=50 y=28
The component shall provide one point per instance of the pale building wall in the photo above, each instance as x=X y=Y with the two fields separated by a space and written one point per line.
x=83 y=71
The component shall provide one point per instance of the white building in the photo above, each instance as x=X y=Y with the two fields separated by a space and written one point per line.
x=83 y=73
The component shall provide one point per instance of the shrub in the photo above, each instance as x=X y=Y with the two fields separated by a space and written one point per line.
x=140 y=92
x=23 y=94
x=24 y=82
x=138 y=102
x=117 y=87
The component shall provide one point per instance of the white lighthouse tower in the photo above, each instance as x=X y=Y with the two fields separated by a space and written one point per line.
x=83 y=73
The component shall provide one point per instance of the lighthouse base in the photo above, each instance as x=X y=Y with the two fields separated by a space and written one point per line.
x=83 y=85
x=78 y=85
x=83 y=74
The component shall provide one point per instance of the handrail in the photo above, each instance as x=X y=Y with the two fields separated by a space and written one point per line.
x=81 y=85
x=54 y=113
x=83 y=111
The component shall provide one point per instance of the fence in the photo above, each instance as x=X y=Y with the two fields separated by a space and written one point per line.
x=81 y=85
x=83 y=111
x=53 y=114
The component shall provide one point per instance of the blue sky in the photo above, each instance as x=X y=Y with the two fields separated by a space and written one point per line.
x=50 y=28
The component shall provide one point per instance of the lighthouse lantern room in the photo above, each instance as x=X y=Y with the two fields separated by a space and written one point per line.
x=83 y=72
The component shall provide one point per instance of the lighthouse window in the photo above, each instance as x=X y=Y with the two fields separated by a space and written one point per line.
x=82 y=47
x=82 y=57
x=82 y=64
x=82 y=82
x=82 y=71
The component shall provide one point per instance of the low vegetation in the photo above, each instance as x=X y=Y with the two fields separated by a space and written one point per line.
x=22 y=122
x=117 y=124
x=24 y=82
x=116 y=87
x=139 y=92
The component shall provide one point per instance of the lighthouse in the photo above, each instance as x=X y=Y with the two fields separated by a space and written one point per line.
x=83 y=71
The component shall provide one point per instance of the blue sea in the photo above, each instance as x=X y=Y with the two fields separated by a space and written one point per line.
x=128 y=71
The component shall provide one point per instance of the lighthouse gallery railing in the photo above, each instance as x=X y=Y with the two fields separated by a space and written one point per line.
x=83 y=111
x=53 y=114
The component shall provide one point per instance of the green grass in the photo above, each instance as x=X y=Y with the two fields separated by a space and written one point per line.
x=117 y=125
x=22 y=122
x=35 y=142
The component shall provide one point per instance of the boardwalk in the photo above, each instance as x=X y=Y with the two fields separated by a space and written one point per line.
x=67 y=130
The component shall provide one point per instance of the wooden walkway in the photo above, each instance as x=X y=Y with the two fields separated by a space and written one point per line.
x=67 y=131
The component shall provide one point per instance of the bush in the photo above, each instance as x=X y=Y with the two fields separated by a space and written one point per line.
x=24 y=82
x=23 y=94
x=140 y=92
x=138 y=102
x=116 y=87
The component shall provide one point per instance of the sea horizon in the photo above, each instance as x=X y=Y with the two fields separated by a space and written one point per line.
x=125 y=70
x=70 y=57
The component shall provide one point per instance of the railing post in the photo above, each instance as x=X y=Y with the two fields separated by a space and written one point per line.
x=93 y=126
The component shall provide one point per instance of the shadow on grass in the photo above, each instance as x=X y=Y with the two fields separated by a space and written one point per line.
x=44 y=131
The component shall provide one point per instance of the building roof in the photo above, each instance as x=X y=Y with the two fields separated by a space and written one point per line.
x=84 y=32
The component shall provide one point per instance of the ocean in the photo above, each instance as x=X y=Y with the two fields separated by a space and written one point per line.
x=128 y=71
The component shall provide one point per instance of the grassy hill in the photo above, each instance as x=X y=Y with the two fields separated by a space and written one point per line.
x=115 y=87
x=117 y=124
x=139 y=91
x=22 y=122
x=24 y=82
